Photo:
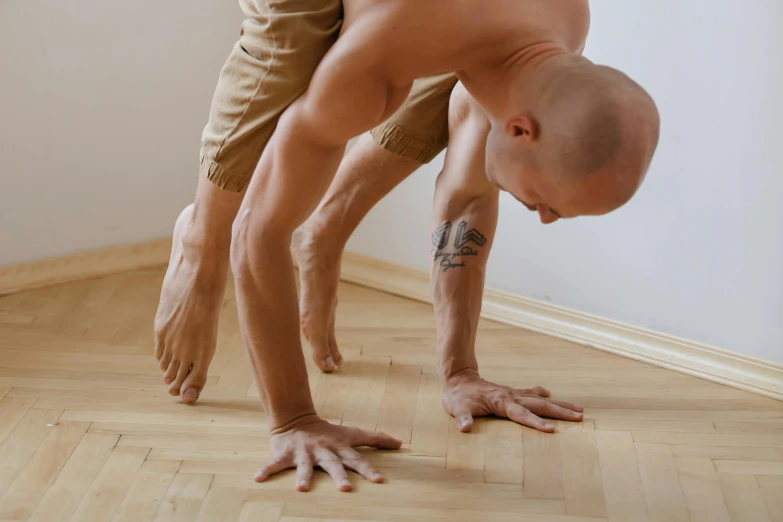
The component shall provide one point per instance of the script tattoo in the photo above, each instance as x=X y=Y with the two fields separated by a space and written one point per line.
x=456 y=259
x=448 y=260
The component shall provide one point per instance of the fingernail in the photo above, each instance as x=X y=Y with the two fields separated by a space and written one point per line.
x=548 y=426
x=345 y=483
x=167 y=380
x=191 y=393
x=329 y=363
x=377 y=476
x=303 y=483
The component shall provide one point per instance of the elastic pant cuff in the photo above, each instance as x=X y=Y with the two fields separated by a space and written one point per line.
x=220 y=176
x=394 y=139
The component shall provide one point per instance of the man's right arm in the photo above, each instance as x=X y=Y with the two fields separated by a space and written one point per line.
x=347 y=96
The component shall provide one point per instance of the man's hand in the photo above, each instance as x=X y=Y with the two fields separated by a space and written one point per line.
x=466 y=395
x=314 y=442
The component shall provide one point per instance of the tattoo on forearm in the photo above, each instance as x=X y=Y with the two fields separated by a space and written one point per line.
x=448 y=260
x=462 y=238
x=455 y=259
x=440 y=238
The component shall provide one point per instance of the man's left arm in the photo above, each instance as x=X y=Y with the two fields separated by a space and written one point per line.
x=465 y=215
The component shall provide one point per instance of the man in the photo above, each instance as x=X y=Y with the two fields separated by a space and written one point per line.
x=566 y=138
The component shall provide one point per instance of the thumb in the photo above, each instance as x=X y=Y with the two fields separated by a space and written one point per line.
x=464 y=421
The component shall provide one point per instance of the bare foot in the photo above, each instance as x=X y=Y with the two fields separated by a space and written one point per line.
x=187 y=318
x=319 y=276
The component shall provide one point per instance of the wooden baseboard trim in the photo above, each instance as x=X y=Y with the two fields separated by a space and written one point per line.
x=84 y=265
x=667 y=351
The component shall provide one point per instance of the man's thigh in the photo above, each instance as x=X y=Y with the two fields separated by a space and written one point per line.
x=419 y=130
x=281 y=44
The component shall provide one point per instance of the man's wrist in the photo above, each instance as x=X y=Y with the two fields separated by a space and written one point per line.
x=287 y=412
x=454 y=376
x=293 y=422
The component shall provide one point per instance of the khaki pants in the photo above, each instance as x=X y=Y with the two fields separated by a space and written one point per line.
x=280 y=45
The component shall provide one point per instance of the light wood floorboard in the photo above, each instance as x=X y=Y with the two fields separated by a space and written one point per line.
x=89 y=434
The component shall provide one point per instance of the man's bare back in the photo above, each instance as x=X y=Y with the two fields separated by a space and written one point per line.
x=414 y=38
x=390 y=44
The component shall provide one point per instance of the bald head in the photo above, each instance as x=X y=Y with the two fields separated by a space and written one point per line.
x=577 y=141
x=592 y=120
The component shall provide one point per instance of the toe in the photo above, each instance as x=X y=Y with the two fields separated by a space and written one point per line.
x=322 y=356
x=334 y=350
x=159 y=347
x=193 y=384
x=182 y=373
x=171 y=373
x=165 y=360
x=315 y=332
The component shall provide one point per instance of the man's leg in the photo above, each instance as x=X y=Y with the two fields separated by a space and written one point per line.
x=377 y=163
x=268 y=69
x=192 y=293
x=366 y=175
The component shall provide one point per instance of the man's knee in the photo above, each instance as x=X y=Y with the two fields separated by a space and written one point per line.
x=253 y=234
x=239 y=247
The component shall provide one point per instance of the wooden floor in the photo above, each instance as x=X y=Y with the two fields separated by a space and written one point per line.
x=88 y=433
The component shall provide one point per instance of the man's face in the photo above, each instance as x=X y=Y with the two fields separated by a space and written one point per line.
x=507 y=170
x=539 y=191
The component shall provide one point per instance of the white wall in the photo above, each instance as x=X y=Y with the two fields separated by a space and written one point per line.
x=102 y=103
x=699 y=252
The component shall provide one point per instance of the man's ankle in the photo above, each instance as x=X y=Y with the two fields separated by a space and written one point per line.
x=209 y=248
x=324 y=240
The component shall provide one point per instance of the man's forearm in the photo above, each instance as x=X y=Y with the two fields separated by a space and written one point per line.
x=461 y=248
x=267 y=304
x=264 y=274
x=458 y=283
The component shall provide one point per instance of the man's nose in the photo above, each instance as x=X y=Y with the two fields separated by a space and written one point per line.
x=546 y=216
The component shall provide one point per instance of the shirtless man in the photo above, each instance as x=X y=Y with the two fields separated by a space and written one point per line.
x=566 y=138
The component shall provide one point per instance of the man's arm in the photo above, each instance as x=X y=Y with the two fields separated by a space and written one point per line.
x=465 y=214
x=347 y=96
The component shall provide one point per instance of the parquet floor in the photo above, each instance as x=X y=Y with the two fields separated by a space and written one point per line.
x=88 y=433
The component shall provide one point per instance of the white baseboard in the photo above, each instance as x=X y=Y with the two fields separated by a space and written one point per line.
x=84 y=265
x=701 y=360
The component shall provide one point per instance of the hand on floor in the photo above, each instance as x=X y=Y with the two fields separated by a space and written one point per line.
x=315 y=442
x=466 y=395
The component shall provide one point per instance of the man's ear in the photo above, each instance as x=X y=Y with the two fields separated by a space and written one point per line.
x=522 y=126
